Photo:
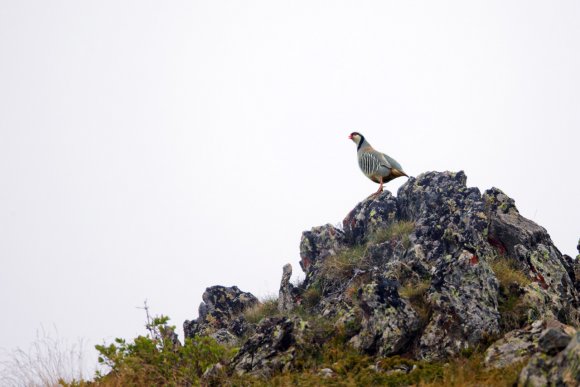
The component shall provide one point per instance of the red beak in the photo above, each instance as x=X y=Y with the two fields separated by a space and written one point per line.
x=350 y=136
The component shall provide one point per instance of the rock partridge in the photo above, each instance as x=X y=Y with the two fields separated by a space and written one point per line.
x=377 y=166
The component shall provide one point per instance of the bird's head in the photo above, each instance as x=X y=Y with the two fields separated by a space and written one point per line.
x=356 y=137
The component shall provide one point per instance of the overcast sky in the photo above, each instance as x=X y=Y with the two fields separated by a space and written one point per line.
x=151 y=149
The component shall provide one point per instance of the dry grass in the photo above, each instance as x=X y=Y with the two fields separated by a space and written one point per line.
x=507 y=272
x=512 y=308
x=311 y=297
x=472 y=372
x=268 y=307
x=341 y=266
x=352 y=369
x=416 y=293
x=396 y=232
x=50 y=361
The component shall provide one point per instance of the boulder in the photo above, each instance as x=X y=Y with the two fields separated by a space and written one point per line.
x=543 y=336
x=388 y=322
x=221 y=314
x=272 y=348
x=560 y=370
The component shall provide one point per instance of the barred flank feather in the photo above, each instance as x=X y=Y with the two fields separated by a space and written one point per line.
x=369 y=163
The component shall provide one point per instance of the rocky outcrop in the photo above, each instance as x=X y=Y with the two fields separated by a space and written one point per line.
x=450 y=227
x=416 y=275
x=458 y=233
x=287 y=292
x=319 y=243
x=221 y=314
x=560 y=370
x=548 y=337
x=369 y=216
x=272 y=348
x=553 y=292
x=388 y=322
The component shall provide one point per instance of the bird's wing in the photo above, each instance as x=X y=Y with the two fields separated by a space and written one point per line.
x=392 y=163
x=384 y=161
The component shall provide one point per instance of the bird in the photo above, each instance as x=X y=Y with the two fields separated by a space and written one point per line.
x=377 y=166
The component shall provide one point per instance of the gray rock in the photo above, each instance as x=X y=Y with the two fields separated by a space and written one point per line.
x=286 y=293
x=464 y=307
x=214 y=375
x=553 y=294
x=272 y=348
x=388 y=322
x=413 y=274
x=224 y=336
x=450 y=224
x=221 y=314
x=553 y=340
x=368 y=216
x=518 y=345
x=319 y=243
x=515 y=346
x=456 y=235
x=561 y=370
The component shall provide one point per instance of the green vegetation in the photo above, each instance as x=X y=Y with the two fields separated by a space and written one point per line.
x=158 y=359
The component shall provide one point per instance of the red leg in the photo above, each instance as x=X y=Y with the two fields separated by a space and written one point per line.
x=380 y=188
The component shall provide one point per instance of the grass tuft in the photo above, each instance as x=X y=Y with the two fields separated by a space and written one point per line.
x=416 y=293
x=396 y=232
x=50 y=361
x=507 y=272
x=268 y=307
x=512 y=307
x=341 y=266
x=311 y=297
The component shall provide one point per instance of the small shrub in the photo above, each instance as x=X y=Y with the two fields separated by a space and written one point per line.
x=158 y=359
x=268 y=307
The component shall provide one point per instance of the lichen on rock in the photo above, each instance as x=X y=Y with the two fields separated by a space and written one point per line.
x=221 y=314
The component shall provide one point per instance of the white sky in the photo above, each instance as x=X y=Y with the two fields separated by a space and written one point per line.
x=151 y=149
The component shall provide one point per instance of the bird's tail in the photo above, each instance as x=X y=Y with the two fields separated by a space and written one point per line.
x=397 y=173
